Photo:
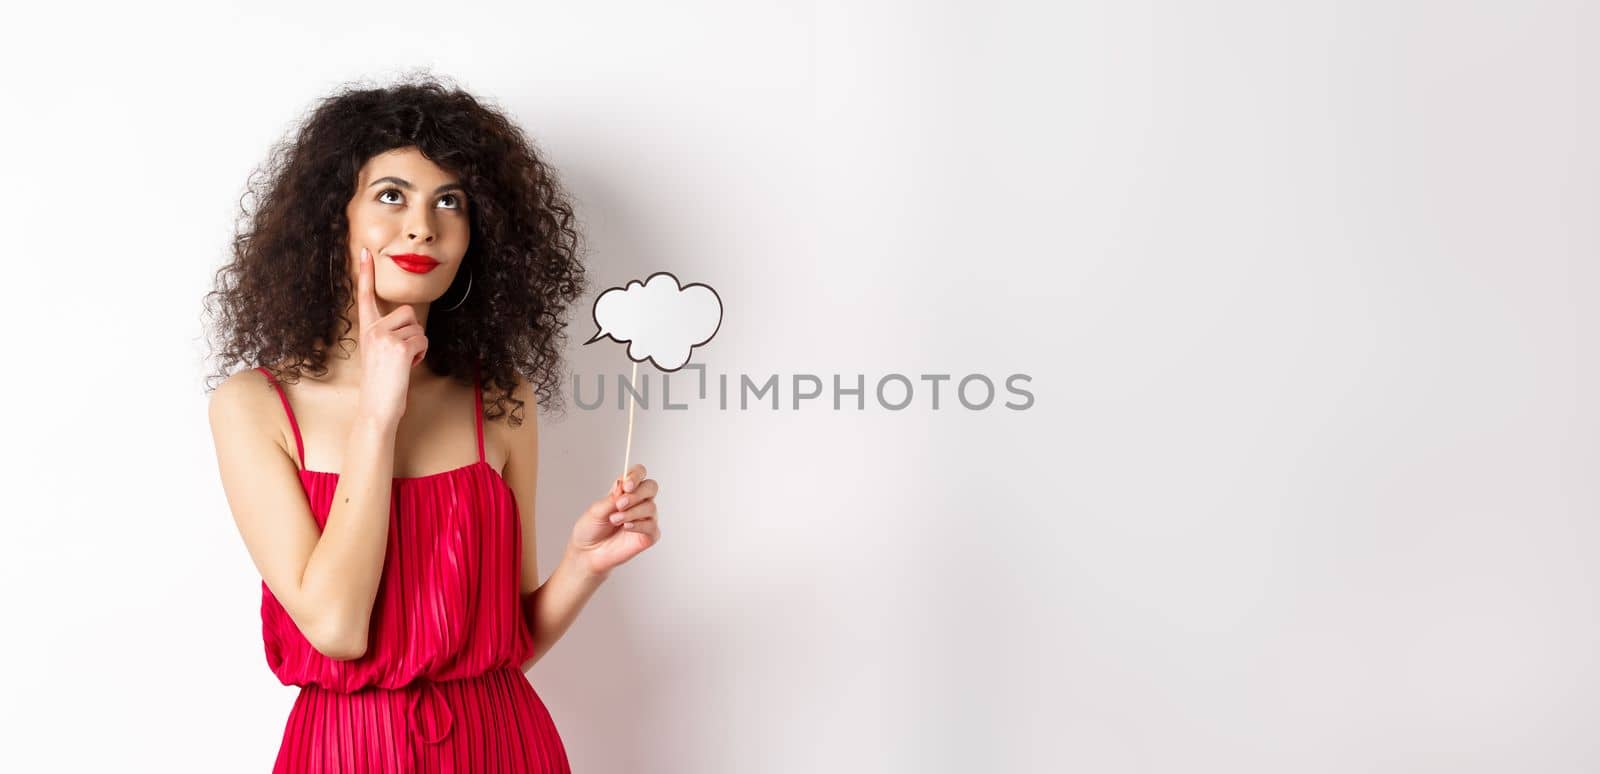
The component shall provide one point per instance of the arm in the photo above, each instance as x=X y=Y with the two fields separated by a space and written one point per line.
x=553 y=607
x=327 y=580
x=549 y=608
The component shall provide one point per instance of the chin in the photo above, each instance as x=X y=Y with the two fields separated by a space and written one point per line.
x=413 y=298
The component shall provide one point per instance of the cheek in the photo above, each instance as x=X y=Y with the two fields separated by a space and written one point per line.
x=451 y=237
x=368 y=227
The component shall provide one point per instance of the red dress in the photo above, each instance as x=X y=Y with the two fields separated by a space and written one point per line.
x=440 y=687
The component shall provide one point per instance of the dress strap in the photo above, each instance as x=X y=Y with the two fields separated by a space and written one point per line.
x=477 y=414
x=299 y=445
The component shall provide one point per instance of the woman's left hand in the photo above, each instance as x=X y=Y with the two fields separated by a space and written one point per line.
x=618 y=526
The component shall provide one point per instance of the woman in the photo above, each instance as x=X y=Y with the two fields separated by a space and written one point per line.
x=418 y=231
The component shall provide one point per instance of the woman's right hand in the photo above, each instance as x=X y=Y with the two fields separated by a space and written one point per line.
x=391 y=345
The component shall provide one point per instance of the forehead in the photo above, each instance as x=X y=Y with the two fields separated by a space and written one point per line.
x=408 y=163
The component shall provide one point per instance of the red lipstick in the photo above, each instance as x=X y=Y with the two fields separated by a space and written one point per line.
x=417 y=264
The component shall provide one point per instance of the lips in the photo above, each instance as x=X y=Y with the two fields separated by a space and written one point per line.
x=417 y=264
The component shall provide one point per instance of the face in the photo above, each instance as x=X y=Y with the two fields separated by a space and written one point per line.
x=405 y=211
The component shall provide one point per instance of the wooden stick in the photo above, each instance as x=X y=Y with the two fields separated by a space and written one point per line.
x=629 y=449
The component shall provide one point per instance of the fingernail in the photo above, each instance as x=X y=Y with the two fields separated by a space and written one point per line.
x=622 y=503
x=628 y=486
x=616 y=518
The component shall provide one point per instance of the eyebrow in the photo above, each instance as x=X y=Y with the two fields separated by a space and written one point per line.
x=456 y=186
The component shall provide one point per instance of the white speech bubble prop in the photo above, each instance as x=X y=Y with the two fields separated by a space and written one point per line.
x=661 y=320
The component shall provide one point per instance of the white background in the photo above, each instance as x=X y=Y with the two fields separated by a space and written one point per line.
x=1306 y=291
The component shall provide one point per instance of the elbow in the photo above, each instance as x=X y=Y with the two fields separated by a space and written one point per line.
x=346 y=644
x=342 y=651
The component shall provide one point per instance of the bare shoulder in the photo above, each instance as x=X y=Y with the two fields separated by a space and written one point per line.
x=240 y=407
x=234 y=399
x=524 y=437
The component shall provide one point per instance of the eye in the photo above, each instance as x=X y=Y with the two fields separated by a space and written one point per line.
x=450 y=196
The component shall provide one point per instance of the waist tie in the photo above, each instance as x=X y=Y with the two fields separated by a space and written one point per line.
x=438 y=734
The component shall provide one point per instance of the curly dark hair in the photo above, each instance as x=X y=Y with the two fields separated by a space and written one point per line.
x=284 y=287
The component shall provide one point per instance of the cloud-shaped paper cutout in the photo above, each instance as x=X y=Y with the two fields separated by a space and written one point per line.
x=660 y=319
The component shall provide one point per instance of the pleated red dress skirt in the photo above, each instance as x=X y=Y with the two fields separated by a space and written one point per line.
x=440 y=688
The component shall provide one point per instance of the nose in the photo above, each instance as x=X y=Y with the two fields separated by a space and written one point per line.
x=420 y=229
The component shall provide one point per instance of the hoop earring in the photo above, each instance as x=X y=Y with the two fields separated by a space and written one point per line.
x=463 y=295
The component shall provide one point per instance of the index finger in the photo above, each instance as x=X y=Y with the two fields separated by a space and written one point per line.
x=366 y=301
